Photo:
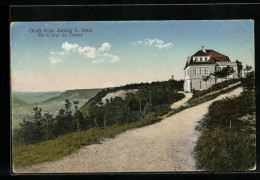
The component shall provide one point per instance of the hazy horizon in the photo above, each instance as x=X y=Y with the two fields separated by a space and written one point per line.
x=117 y=53
x=77 y=89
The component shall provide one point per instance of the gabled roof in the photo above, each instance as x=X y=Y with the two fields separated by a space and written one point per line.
x=200 y=53
x=214 y=57
x=217 y=56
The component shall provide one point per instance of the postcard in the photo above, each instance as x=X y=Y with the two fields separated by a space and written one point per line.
x=133 y=96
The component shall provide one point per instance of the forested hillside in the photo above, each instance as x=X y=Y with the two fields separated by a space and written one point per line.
x=74 y=94
x=148 y=100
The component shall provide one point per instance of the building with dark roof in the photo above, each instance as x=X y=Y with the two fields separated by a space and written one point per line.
x=203 y=63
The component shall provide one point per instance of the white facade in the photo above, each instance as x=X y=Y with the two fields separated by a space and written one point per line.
x=202 y=67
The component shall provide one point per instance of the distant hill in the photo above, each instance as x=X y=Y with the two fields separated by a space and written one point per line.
x=24 y=102
x=74 y=94
x=35 y=97
x=157 y=90
x=18 y=102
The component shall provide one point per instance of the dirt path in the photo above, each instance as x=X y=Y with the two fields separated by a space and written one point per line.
x=181 y=102
x=214 y=92
x=165 y=146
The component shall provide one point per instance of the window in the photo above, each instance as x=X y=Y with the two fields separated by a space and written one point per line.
x=196 y=59
x=202 y=70
x=206 y=58
x=206 y=70
x=197 y=70
x=201 y=59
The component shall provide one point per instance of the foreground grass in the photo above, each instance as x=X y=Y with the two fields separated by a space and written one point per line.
x=23 y=155
x=215 y=87
x=228 y=148
x=202 y=100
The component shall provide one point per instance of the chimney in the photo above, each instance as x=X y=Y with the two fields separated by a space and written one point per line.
x=203 y=49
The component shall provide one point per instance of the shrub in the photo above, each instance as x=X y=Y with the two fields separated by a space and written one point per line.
x=221 y=147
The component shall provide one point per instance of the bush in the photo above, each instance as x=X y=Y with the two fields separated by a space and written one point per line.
x=221 y=148
x=215 y=87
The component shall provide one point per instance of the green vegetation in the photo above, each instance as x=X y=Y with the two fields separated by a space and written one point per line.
x=18 y=102
x=199 y=93
x=223 y=73
x=228 y=142
x=24 y=155
x=94 y=120
x=74 y=94
x=51 y=102
x=192 y=103
x=150 y=97
x=34 y=97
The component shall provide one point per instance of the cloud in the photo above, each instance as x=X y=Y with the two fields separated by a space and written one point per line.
x=152 y=43
x=105 y=47
x=55 y=60
x=67 y=46
x=97 y=61
x=112 y=57
x=58 y=53
x=88 y=51
x=99 y=55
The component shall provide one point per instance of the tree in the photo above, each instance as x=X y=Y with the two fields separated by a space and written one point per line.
x=67 y=107
x=129 y=98
x=37 y=113
x=76 y=114
x=249 y=81
x=247 y=69
x=239 y=68
x=60 y=127
x=227 y=110
x=223 y=73
x=147 y=109
x=38 y=128
x=227 y=71
x=61 y=112
x=24 y=134
x=140 y=96
x=205 y=79
x=47 y=118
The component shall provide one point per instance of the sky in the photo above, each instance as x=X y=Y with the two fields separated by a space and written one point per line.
x=116 y=53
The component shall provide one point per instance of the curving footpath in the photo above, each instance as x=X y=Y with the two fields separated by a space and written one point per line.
x=164 y=146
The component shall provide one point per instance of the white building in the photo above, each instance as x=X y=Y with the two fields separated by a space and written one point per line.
x=202 y=64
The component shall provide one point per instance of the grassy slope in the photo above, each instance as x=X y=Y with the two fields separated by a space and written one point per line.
x=223 y=149
x=69 y=143
x=64 y=145
x=192 y=103
x=215 y=87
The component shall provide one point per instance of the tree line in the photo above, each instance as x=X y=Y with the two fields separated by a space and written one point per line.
x=154 y=97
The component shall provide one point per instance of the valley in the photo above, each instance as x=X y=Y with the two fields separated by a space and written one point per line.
x=51 y=102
